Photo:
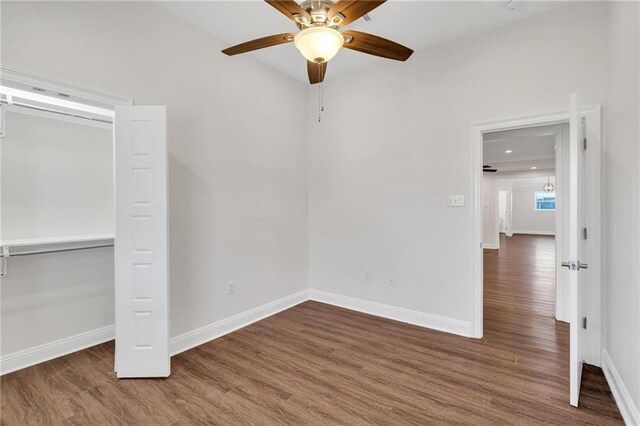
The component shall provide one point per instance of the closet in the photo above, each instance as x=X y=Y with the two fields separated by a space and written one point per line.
x=73 y=185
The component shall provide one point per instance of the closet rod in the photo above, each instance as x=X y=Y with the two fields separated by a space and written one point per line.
x=68 y=114
x=29 y=253
x=6 y=254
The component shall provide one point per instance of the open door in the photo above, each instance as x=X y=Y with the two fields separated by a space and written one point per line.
x=141 y=269
x=577 y=249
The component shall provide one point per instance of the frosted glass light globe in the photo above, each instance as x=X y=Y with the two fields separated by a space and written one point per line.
x=318 y=44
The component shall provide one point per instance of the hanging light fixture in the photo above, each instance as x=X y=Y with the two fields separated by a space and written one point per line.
x=319 y=44
x=548 y=187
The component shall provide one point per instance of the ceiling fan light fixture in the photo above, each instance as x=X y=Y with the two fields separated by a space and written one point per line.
x=319 y=44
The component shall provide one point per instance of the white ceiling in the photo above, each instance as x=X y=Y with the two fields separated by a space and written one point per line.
x=523 y=148
x=524 y=166
x=530 y=147
x=416 y=24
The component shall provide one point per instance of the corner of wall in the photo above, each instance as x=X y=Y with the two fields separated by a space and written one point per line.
x=626 y=405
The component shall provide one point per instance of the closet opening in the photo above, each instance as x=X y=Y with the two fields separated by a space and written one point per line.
x=83 y=225
x=57 y=216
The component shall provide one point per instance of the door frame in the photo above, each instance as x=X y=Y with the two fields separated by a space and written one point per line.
x=593 y=117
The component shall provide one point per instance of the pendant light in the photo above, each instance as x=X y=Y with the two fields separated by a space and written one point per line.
x=548 y=187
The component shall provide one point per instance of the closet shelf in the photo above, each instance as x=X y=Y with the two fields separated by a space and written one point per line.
x=27 y=242
x=33 y=246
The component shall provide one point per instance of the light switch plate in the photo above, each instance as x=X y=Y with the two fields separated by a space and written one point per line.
x=456 y=201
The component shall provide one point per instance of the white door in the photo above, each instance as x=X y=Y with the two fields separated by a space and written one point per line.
x=503 y=210
x=577 y=263
x=141 y=269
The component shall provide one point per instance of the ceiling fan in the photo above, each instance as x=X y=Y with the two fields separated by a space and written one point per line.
x=488 y=169
x=319 y=39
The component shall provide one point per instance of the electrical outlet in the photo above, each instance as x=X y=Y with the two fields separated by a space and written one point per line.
x=392 y=280
x=231 y=287
x=366 y=275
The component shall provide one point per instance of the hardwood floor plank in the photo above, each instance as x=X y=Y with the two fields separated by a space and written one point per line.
x=316 y=364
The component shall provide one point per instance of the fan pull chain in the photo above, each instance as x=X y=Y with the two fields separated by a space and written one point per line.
x=320 y=101
x=320 y=93
x=321 y=69
x=319 y=105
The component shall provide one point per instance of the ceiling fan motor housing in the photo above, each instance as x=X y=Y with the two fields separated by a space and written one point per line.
x=319 y=12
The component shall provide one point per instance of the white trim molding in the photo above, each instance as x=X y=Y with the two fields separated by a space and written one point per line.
x=621 y=394
x=32 y=356
x=26 y=80
x=48 y=351
x=228 y=325
x=29 y=357
x=436 y=322
x=491 y=246
x=515 y=231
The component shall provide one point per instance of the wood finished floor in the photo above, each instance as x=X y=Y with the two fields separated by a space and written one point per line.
x=318 y=364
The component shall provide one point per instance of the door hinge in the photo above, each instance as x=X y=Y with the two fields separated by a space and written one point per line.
x=584 y=143
x=584 y=233
x=584 y=322
x=5 y=260
x=3 y=110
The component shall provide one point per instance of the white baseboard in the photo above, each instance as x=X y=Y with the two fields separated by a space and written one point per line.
x=436 y=322
x=627 y=407
x=533 y=232
x=32 y=356
x=217 y=329
x=26 y=358
x=490 y=246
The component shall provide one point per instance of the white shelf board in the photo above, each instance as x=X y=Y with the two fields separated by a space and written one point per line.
x=55 y=240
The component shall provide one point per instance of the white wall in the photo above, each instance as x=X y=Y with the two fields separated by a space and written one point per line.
x=395 y=142
x=57 y=178
x=489 y=210
x=525 y=218
x=622 y=196
x=522 y=187
x=237 y=146
x=56 y=296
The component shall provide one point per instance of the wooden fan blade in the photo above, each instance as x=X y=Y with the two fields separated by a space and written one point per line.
x=259 y=43
x=289 y=8
x=316 y=72
x=352 y=10
x=374 y=45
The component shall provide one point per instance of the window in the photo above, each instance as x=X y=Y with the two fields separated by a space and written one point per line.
x=545 y=200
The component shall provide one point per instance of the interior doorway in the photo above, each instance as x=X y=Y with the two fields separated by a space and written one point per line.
x=519 y=173
x=577 y=204
x=504 y=218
